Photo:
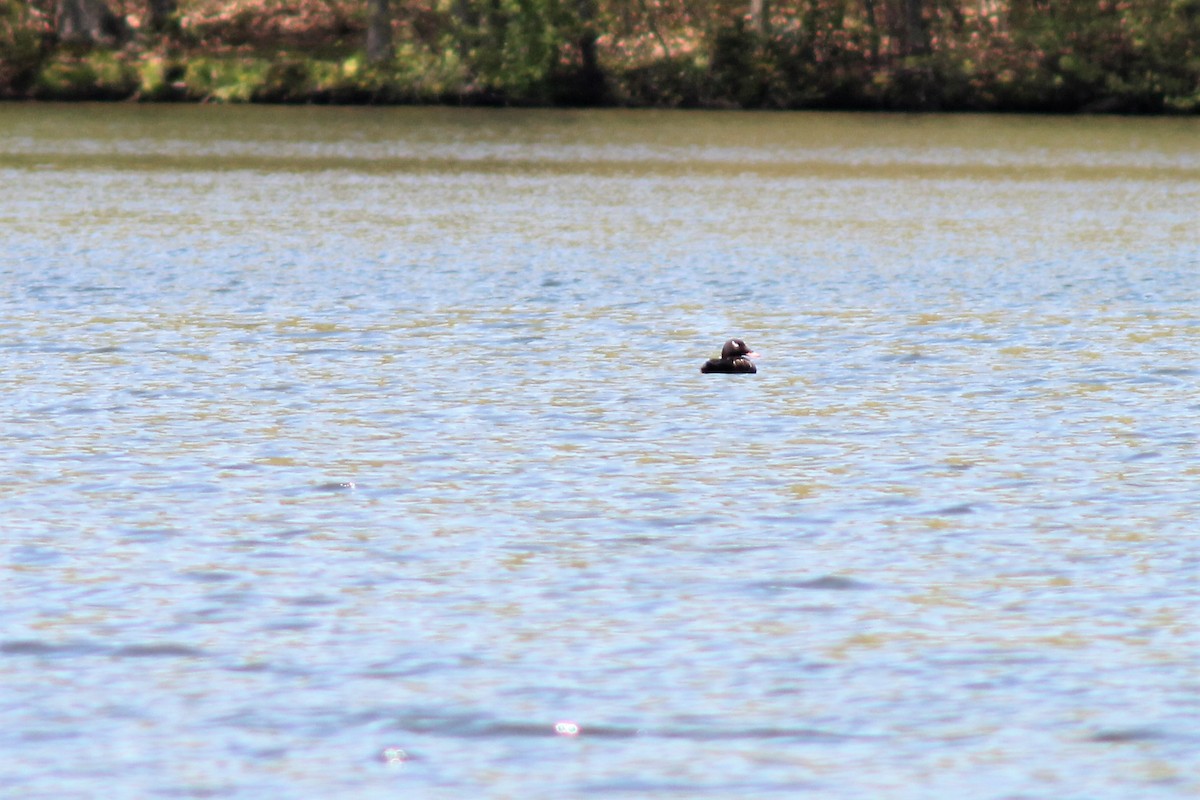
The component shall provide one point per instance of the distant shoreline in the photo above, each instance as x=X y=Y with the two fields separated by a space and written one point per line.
x=1078 y=57
x=104 y=76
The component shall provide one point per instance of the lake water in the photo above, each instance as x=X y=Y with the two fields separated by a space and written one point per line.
x=365 y=453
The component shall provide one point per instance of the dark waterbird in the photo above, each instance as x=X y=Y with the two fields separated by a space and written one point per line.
x=735 y=359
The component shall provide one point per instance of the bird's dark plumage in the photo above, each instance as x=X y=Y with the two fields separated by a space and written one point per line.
x=734 y=360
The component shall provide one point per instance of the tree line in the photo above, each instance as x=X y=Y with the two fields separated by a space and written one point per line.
x=1128 y=56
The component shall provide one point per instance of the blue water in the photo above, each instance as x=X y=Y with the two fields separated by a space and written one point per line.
x=366 y=454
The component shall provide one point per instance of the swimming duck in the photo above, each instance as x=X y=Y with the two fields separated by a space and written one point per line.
x=735 y=359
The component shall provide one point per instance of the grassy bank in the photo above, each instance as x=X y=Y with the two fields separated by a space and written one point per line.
x=1064 y=56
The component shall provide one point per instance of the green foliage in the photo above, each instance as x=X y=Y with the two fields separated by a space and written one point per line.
x=96 y=75
x=509 y=49
x=1109 y=57
x=679 y=82
x=810 y=68
x=739 y=68
x=153 y=77
x=20 y=45
x=426 y=75
x=161 y=78
x=227 y=80
x=1032 y=55
x=286 y=80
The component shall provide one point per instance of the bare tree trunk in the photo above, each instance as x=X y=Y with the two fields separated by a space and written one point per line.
x=916 y=35
x=88 y=22
x=591 y=79
x=379 y=31
x=873 y=24
x=160 y=13
x=587 y=34
x=760 y=13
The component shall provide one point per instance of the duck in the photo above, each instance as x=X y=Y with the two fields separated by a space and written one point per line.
x=734 y=360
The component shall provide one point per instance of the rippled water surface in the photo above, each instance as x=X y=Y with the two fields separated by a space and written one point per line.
x=364 y=453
